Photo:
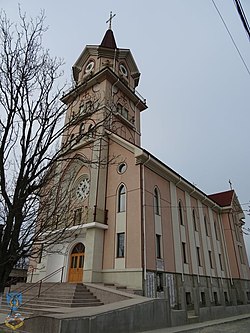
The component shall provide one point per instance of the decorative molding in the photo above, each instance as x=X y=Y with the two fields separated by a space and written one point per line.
x=96 y=225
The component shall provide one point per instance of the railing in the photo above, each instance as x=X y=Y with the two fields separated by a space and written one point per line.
x=12 y=281
x=39 y=284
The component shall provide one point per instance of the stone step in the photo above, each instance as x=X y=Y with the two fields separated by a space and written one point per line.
x=44 y=290
x=26 y=314
x=67 y=284
x=57 y=293
x=52 y=305
x=27 y=308
x=109 y=284
x=122 y=288
x=86 y=304
x=31 y=308
x=59 y=302
x=54 y=295
x=62 y=297
x=27 y=311
x=47 y=286
x=49 y=300
x=192 y=318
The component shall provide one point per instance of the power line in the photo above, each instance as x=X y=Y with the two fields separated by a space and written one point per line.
x=242 y=17
x=229 y=33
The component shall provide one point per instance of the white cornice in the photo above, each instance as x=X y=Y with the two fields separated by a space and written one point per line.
x=109 y=74
x=143 y=157
x=124 y=143
x=95 y=225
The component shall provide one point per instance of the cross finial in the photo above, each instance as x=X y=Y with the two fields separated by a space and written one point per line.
x=230 y=184
x=110 y=19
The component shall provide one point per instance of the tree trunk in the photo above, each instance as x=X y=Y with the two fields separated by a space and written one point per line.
x=1 y=294
x=4 y=275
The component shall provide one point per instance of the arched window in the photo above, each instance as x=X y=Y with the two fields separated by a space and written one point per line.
x=78 y=248
x=122 y=199
x=180 y=214
x=156 y=202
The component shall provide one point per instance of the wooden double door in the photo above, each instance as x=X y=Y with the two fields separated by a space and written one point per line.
x=76 y=263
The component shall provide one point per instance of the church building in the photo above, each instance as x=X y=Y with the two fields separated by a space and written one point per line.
x=131 y=220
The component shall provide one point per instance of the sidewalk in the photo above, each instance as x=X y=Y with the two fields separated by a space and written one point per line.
x=191 y=327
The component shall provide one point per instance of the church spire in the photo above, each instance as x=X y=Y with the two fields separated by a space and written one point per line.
x=109 y=38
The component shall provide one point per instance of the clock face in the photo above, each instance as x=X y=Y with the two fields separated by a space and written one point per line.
x=89 y=66
x=123 y=70
x=82 y=190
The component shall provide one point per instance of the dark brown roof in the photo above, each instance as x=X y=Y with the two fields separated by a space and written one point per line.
x=109 y=40
x=223 y=198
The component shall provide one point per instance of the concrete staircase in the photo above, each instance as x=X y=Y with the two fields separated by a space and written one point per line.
x=52 y=295
x=192 y=318
x=122 y=288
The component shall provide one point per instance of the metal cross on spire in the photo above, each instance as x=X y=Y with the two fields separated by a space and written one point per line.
x=110 y=20
x=230 y=184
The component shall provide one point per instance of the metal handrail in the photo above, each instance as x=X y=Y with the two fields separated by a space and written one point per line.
x=12 y=281
x=39 y=282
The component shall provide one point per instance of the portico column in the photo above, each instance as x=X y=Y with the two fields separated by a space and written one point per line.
x=94 y=252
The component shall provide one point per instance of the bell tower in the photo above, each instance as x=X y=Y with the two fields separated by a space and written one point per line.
x=102 y=101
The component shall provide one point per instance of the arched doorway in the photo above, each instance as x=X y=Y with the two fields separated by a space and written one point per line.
x=76 y=263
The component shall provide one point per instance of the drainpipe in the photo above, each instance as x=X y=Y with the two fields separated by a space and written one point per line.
x=179 y=181
x=232 y=228
x=198 y=273
x=144 y=219
x=182 y=271
x=228 y=263
x=222 y=234
x=136 y=125
x=112 y=95
x=114 y=60
x=112 y=89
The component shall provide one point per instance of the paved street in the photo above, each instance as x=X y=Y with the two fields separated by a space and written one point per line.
x=237 y=324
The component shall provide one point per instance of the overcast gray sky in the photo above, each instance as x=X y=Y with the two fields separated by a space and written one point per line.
x=196 y=86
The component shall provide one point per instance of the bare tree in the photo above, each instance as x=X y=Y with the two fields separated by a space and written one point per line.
x=30 y=152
